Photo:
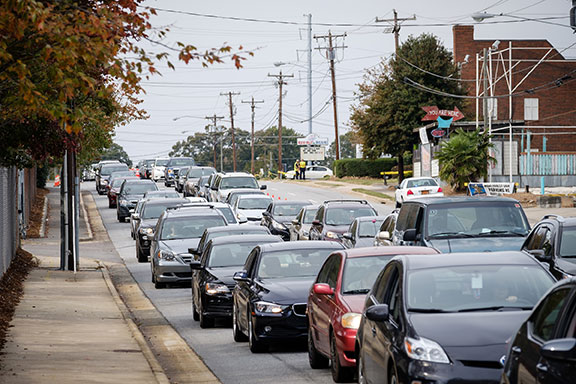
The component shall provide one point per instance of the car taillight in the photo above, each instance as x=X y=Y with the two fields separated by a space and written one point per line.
x=409 y=192
x=439 y=189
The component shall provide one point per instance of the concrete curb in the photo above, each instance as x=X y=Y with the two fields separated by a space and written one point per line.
x=157 y=370
x=42 y=231
x=86 y=220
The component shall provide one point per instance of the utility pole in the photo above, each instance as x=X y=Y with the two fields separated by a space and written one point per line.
x=309 y=16
x=396 y=30
x=280 y=83
x=330 y=55
x=252 y=106
x=230 y=94
x=214 y=120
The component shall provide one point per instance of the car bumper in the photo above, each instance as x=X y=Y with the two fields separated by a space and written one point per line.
x=271 y=328
x=410 y=197
x=125 y=210
x=144 y=243
x=445 y=373
x=172 y=272
x=345 y=345
x=217 y=305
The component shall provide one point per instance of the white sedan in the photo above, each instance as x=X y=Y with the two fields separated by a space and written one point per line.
x=313 y=172
x=413 y=187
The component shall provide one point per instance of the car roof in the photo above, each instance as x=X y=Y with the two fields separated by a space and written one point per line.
x=291 y=202
x=371 y=218
x=245 y=239
x=247 y=191
x=165 y=201
x=215 y=204
x=412 y=262
x=254 y=196
x=199 y=211
x=569 y=221
x=236 y=228
x=236 y=174
x=292 y=245
x=420 y=178
x=391 y=250
x=346 y=202
x=461 y=199
x=139 y=181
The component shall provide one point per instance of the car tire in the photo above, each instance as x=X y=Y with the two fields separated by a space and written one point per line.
x=195 y=314
x=205 y=321
x=340 y=374
x=360 y=368
x=256 y=346
x=158 y=284
x=121 y=219
x=239 y=336
x=398 y=205
x=392 y=376
x=315 y=358
x=141 y=256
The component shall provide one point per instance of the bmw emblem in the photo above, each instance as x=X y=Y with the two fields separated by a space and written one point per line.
x=503 y=360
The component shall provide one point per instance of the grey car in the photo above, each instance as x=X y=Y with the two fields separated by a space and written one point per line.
x=362 y=231
x=300 y=226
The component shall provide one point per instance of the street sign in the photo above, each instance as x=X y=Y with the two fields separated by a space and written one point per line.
x=312 y=153
x=432 y=113
x=312 y=139
x=438 y=132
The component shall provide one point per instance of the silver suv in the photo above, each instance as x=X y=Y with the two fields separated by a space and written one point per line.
x=226 y=182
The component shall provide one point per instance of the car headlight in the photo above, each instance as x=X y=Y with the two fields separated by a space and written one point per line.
x=216 y=289
x=332 y=235
x=123 y=202
x=278 y=226
x=146 y=231
x=266 y=307
x=166 y=255
x=351 y=320
x=425 y=350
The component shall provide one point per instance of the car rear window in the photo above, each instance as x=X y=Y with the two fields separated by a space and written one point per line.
x=189 y=227
x=346 y=215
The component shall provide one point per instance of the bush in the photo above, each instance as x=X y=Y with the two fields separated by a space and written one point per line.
x=363 y=167
x=42 y=173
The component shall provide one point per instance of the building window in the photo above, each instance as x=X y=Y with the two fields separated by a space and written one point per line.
x=530 y=109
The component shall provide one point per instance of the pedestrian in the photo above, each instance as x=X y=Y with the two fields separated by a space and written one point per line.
x=296 y=169
x=302 y=170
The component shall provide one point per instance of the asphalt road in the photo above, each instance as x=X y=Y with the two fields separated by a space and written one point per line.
x=231 y=362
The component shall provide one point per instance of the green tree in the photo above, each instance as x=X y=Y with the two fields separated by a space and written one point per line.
x=390 y=108
x=116 y=152
x=348 y=143
x=464 y=158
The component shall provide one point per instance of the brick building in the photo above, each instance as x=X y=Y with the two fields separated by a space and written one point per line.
x=543 y=114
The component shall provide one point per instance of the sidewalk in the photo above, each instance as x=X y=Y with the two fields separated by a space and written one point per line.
x=81 y=327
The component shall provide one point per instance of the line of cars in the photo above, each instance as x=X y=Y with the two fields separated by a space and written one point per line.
x=399 y=312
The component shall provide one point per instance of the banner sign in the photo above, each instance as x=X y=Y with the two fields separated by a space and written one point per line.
x=491 y=189
x=432 y=113
x=312 y=153
x=312 y=139
x=423 y=135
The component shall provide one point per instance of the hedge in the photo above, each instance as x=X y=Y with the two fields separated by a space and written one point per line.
x=363 y=167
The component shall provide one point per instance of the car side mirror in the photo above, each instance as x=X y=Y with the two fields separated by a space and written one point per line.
x=540 y=255
x=559 y=349
x=378 y=312
x=322 y=289
x=206 y=185
x=409 y=235
x=347 y=235
x=193 y=251
x=384 y=235
x=135 y=216
x=214 y=188
x=295 y=222
x=316 y=222
x=241 y=276
x=195 y=265
x=263 y=187
x=397 y=187
x=242 y=220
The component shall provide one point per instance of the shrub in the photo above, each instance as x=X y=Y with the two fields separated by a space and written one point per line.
x=362 y=167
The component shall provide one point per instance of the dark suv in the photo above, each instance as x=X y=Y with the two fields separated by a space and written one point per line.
x=553 y=241
x=335 y=216
x=130 y=192
x=462 y=224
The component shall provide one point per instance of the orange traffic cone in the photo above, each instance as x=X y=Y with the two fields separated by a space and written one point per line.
x=57 y=181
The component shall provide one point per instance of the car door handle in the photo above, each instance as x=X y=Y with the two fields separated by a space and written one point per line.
x=542 y=367
x=516 y=349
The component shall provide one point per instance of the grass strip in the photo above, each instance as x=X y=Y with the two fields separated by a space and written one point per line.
x=373 y=193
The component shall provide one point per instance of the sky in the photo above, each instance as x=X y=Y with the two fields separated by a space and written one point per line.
x=278 y=36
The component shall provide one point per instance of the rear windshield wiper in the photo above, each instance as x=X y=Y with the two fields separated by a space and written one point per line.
x=455 y=234
x=428 y=310
x=356 y=291
x=493 y=308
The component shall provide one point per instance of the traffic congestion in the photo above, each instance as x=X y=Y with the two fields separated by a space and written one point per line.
x=441 y=288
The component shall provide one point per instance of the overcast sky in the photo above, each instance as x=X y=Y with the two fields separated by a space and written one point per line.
x=195 y=91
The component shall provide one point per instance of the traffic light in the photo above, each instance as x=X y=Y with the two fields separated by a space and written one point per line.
x=573 y=16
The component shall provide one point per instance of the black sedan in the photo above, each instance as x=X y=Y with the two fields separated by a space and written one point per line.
x=446 y=318
x=130 y=192
x=544 y=349
x=279 y=215
x=212 y=275
x=271 y=292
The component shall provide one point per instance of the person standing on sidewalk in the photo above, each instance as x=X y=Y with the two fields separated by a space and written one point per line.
x=302 y=170
x=296 y=169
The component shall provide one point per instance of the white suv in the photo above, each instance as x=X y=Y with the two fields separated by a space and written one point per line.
x=226 y=182
x=158 y=169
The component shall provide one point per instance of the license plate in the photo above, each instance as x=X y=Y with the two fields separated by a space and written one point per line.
x=424 y=192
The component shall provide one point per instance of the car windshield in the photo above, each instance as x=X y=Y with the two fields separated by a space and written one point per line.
x=139 y=189
x=107 y=171
x=292 y=263
x=309 y=215
x=162 y=163
x=477 y=219
x=180 y=162
x=248 y=203
x=476 y=287
x=421 y=183
x=195 y=173
x=345 y=216
x=568 y=242
x=228 y=214
x=154 y=211
x=238 y=182
x=189 y=227
x=361 y=272
x=229 y=255
x=288 y=209
x=369 y=228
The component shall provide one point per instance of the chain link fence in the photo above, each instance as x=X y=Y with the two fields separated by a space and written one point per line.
x=9 y=236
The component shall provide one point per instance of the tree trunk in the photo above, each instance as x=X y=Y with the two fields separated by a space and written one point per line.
x=400 y=168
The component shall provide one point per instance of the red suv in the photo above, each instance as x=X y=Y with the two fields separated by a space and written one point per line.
x=336 y=302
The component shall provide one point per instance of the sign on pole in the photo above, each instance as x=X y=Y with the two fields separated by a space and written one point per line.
x=312 y=139
x=312 y=153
